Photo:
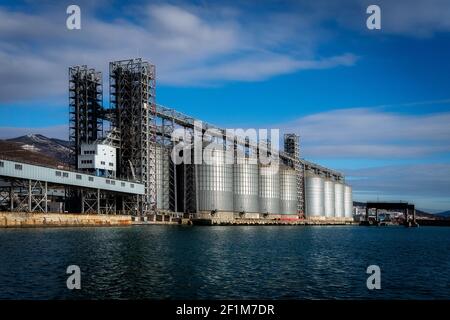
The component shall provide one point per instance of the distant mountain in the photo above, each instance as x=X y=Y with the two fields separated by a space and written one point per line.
x=444 y=214
x=55 y=148
x=37 y=148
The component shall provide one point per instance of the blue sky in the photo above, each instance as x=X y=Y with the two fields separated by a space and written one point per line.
x=374 y=104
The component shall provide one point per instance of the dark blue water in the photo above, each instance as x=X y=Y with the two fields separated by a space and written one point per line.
x=180 y=262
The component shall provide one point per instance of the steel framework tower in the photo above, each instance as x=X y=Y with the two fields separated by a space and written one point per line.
x=85 y=107
x=132 y=96
x=292 y=148
x=165 y=128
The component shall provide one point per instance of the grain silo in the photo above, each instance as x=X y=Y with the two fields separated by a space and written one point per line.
x=329 y=199
x=269 y=189
x=215 y=183
x=288 y=191
x=339 y=200
x=314 y=195
x=246 y=187
x=348 y=202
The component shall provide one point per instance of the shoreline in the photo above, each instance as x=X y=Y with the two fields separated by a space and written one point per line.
x=50 y=220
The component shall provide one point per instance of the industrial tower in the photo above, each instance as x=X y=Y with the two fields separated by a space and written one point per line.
x=292 y=148
x=132 y=98
x=85 y=108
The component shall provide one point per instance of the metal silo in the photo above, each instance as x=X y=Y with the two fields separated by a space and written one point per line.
x=314 y=195
x=162 y=178
x=329 y=199
x=215 y=182
x=269 y=189
x=245 y=185
x=288 y=191
x=348 y=202
x=339 y=200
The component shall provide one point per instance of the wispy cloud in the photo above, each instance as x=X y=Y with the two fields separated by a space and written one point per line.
x=378 y=134
x=370 y=133
x=191 y=45
x=421 y=179
x=427 y=185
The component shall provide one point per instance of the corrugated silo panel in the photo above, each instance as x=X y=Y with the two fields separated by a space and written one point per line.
x=314 y=189
x=348 y=202
x=245 y=186
x=288 y=191
x=339 y=200
x=215 y=183
x=329 y=198
x=269 y=189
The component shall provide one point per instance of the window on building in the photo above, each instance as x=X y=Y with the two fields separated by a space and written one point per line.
x=131 y=185
x=58 y=173
x=113 y=182
x=91 y=178
x=79 y=176
x=108 y=181
x=102 y=162
x=18 y=167
x=122 y=184
x=2 y=164
x=111 y=164
x=65 y=175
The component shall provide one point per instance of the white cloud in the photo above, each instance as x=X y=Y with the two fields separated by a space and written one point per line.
x=189 y=45
x=372 y=133
x=427 y=185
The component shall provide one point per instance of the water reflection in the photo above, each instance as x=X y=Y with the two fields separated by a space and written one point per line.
x=179 y=262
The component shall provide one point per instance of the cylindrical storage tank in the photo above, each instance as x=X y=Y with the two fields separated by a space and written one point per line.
x=215 y=182
x=328 y=191
x=245 y=185
x=348 y=202
x=269 y=189
x=339 y=200
x=288 y=191
x=314 y=195
x=162 y=178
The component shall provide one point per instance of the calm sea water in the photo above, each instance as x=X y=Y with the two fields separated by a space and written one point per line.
x=180 y=262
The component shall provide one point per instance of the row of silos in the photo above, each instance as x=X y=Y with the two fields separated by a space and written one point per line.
x=245 y=186
x=325 y=197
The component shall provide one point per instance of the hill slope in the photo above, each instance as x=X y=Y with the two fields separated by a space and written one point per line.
x=37 y=149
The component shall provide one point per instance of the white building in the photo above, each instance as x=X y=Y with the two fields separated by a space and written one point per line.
x=98 y=158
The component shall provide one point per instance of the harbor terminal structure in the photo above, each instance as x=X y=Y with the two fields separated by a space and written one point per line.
x=125 y=160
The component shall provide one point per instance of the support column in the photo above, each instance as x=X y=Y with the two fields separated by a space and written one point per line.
x=29 y=196
x=11 y=197
x=367 y=214
x=82 y=201
x=98 y=201
x=175 y=187
x=46 y=197
x=196 y=188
